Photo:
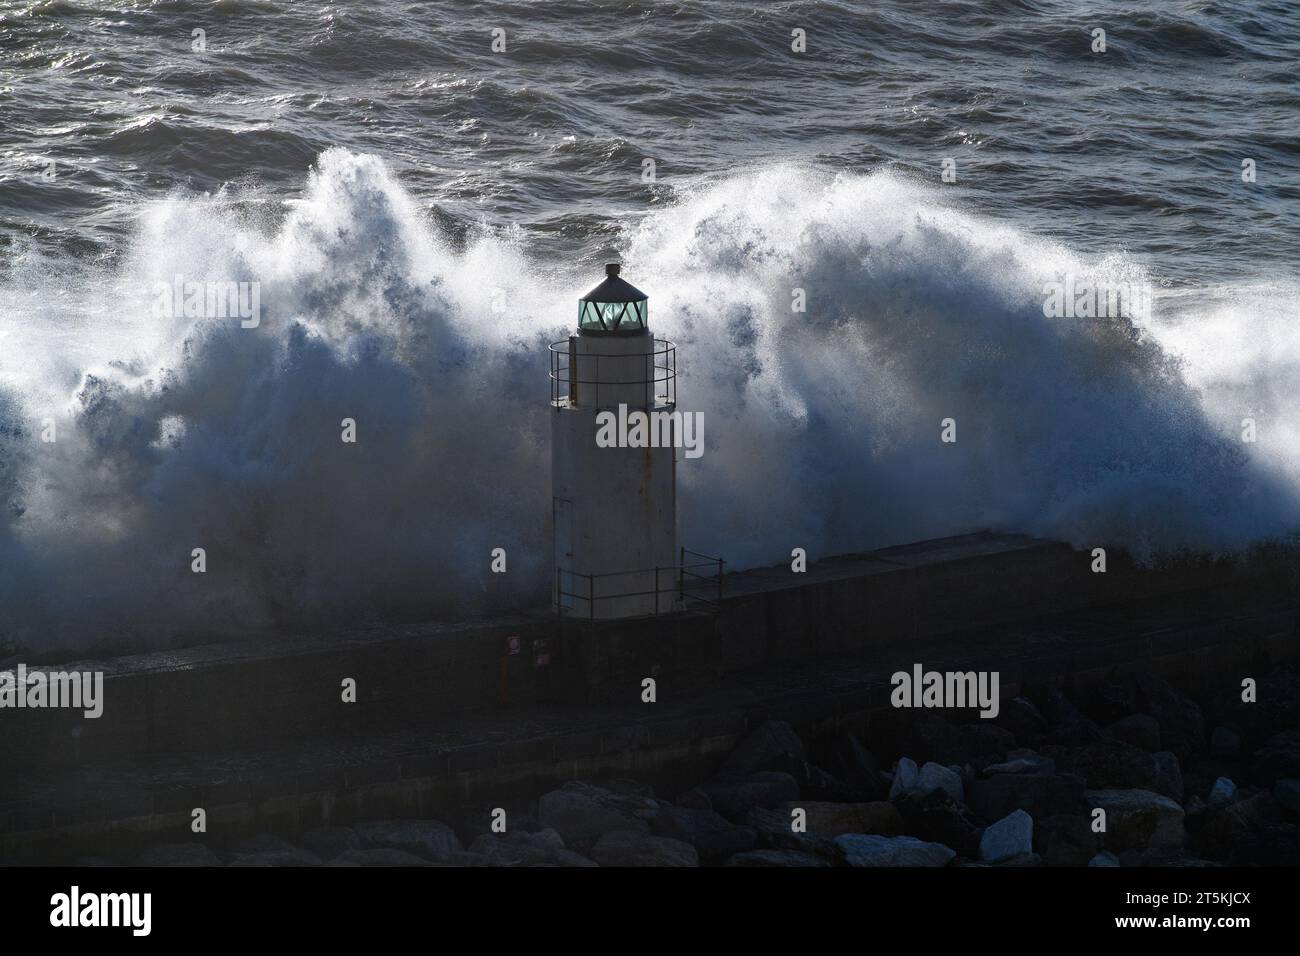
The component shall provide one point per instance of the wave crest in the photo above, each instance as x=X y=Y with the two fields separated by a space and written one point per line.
x=823 y=426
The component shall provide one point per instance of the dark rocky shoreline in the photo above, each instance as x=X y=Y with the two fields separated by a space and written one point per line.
x=1182 y=783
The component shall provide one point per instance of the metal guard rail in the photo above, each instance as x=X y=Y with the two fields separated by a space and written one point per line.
x=688 y=582
x=564 y=383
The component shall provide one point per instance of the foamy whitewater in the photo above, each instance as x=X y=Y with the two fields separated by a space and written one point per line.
x=823 y=426
x=421 y=213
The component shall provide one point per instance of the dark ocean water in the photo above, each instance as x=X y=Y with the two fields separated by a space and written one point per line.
x=1138 y=148
x=421 y=211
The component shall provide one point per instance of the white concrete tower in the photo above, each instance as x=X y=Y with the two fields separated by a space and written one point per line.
x=614 y=508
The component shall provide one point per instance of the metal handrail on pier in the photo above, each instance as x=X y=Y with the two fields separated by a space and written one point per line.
x=684 y=586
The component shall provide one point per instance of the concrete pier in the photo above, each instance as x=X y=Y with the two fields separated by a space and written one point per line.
x=447 y=722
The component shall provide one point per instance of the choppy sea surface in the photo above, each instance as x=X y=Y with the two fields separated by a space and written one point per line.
x=421 y=211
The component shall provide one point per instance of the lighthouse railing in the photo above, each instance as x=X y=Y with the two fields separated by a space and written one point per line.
x=570 y=370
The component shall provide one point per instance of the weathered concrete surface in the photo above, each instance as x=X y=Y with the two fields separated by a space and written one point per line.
x=898 y=595
x=257 y=735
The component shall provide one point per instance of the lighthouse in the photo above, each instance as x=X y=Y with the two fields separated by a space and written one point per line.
x=613 y=503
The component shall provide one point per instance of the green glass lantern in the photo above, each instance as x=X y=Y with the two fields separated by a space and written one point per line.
x=614 y=307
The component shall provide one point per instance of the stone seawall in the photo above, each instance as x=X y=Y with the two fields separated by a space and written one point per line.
x=224 y=698
x=447 y=722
